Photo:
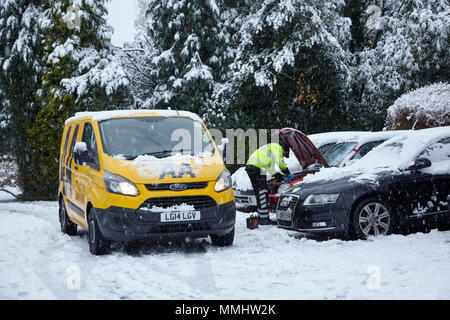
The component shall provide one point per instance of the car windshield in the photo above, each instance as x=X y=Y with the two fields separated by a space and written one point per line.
x=325 y=148
x=390 y=153
x=161 y=137
x=365 y=149
x=338 y=153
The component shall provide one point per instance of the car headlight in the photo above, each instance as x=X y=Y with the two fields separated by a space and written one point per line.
x=224 y=181
x=320 y=199
x=283 y=188
x=119 y=185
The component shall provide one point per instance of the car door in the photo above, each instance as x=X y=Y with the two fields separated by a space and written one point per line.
x=439 y=155
x=421 y=194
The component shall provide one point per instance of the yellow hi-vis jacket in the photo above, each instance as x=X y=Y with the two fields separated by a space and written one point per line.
x=267 y=157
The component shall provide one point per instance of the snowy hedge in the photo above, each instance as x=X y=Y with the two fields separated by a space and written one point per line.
x=425 y=107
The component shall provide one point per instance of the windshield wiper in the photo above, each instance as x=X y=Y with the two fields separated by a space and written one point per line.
x=156 y=154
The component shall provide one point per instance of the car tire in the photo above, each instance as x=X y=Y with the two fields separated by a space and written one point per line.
x=67 y=226
x=372 y=217
x=98 y=245
x=223 y=241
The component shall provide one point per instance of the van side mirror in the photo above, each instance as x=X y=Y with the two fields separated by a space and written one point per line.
x=81 y=154
x=420 y=163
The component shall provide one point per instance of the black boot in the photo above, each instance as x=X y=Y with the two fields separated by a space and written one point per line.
x=267 y=222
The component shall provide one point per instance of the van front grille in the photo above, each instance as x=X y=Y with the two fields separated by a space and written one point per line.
x=198 y=202
x=167 y=186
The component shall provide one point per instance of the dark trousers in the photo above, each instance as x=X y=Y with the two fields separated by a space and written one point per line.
x=259 y=184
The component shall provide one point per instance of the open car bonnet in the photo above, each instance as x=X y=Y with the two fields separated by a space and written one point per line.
x=303 y=149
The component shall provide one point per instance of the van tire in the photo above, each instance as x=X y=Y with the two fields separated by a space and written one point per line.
x=223 y=241
x=98 y=245
x=67 y=226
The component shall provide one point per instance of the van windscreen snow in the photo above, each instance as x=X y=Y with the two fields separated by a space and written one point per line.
x=159 y=137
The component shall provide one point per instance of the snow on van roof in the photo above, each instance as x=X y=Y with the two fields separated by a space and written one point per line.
x=104 y=115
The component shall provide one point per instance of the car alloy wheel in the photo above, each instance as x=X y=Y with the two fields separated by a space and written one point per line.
x=374 y=220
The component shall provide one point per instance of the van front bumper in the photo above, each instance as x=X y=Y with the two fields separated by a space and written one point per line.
x=122 y=224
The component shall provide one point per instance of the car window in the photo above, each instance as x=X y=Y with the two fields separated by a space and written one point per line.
x=366 y=148
x=437 y=152
x=325 y=148
x=91 y=144
x=339 y=152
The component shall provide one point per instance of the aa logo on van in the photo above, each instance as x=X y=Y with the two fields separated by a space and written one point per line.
x=185 y=169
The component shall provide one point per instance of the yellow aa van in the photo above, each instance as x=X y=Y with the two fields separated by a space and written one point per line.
x=143 y=175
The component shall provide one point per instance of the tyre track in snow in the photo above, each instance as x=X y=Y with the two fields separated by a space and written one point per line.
x=37 y=262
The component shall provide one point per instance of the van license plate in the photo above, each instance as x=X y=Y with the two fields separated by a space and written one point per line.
x=180 y=216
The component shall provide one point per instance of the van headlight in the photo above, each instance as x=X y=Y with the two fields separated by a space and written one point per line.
x=224 y=181
x=119 y=185
x=320 y=199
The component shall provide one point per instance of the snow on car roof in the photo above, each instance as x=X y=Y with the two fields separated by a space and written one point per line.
x=321 y=139
x=104 y=115
x=413 y=143
x=395 y=154
x=366 y=137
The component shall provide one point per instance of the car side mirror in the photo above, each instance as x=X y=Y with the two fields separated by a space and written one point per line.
x=420 y=163
x=81 y=154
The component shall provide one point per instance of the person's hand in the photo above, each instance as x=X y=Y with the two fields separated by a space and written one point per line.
x=289 y=178
x=279 y=176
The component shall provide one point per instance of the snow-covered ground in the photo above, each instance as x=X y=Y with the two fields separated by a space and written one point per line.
x=38 y=262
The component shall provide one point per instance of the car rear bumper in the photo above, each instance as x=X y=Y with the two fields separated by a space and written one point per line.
x=122 y=224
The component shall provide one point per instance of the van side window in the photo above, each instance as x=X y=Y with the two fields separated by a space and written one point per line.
x=63 y=158
x=89 y=139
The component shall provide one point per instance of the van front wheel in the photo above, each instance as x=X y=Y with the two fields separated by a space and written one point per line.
x=98 y=245
x=223 y=241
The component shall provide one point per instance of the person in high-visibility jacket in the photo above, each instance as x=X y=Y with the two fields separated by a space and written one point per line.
x=263 y=161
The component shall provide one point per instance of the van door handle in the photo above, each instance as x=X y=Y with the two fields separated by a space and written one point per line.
x=76 y=168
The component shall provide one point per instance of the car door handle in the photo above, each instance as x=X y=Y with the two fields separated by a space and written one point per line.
x=76 y=168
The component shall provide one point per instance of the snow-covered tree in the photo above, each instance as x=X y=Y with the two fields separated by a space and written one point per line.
x=82 y=73
x=408 y=49
x=185 y=55
x=289 y=67
x=20 y=75
x=425 y=107
x=5 y=134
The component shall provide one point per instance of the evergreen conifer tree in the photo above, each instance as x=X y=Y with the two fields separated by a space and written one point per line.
x=20 y=77
x=81 y=74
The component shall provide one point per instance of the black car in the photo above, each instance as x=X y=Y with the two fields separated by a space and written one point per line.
x=405 y=181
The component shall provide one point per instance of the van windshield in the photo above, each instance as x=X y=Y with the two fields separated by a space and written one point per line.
x=160 y=137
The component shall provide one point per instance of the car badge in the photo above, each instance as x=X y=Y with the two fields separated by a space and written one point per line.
x=285 y=202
